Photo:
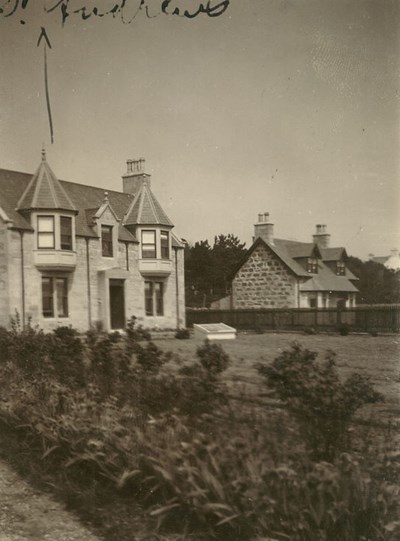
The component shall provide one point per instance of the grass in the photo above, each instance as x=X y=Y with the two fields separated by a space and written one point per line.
x=376 y=357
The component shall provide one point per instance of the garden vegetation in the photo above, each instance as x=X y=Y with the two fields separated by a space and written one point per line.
x=111 y=418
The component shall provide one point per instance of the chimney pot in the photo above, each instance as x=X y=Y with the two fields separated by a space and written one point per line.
x=260 y=217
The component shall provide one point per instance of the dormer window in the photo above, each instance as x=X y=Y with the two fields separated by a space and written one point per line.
x=149 y=244
x=66 y=232
x=340 y=268
x=107 y=240
x=45 y=232
x=164 y=244
x=312 y=265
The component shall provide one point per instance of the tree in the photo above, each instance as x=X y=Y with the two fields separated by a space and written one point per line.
x=208 y=269
x=377 y=284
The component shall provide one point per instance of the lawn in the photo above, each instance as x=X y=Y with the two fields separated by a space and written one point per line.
x=376 y=357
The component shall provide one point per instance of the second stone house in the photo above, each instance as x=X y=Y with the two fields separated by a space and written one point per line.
x=280 y=273
x=74 y=254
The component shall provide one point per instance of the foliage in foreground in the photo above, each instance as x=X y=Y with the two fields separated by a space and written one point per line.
x=313 y=393
x=175 y=443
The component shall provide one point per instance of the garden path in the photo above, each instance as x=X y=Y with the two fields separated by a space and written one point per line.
x=29 y=515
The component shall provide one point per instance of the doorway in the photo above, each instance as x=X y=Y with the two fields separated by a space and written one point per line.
x=117 y=304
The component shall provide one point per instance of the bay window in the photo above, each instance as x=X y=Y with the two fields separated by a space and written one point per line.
x=164 y=244
x=149 y=244
x=66 y=232
x=45 y=232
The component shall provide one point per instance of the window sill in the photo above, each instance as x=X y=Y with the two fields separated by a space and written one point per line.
x=54 y=259
x=155 y=267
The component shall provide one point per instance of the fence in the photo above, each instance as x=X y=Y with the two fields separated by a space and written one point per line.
x=367 y=318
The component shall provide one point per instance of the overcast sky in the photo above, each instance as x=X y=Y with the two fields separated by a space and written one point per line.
x=283 y=106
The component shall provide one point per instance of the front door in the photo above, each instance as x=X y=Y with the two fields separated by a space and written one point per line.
x=117 y=304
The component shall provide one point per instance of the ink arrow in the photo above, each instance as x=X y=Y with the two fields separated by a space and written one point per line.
x=46 y=43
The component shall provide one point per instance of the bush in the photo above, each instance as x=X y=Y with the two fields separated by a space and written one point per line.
x=343 y=329
x=213 y=358
x=314 y=395
x=66 y=356
x=182 y=334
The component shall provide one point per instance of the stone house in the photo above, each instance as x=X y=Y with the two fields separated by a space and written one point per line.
x=278 y=273
x=72 y=254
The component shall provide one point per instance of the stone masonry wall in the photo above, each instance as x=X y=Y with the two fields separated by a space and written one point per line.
x=264 y=282
x=4 y=286
x=78 y=298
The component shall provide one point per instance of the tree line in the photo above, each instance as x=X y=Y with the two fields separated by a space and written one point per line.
x=209 y=269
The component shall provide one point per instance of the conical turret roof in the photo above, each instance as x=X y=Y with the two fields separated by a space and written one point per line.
x=146 y=210
x=44 y=191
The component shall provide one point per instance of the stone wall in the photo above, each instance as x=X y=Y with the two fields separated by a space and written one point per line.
x=264 y=282
x=84 y=309
x=4 y=285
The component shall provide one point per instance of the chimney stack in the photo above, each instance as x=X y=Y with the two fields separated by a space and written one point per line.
x=264 y=228
x=135 y=176
x=321 y=236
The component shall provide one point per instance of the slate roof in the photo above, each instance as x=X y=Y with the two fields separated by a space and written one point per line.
x=16 y=187
x=325 y=280
x=146 y=210
x=334 y=254
x=44 y=191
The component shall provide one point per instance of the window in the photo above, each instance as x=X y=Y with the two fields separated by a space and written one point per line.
x=62 y=297
x=54 y=296
x=47 y=297
x=312 y=302
x=107 y=240
x=312 y=265
x=164 y=244
x=154 y=298
x=66 y=232
x=149 y=245
x=45 y=232
x=340 y=268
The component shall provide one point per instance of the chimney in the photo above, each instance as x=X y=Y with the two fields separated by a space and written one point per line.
x=264 y=228
x=135 y=176
x=321 y=237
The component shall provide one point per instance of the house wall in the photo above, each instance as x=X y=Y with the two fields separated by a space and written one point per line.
x=84 y=309
x=264 y=282
x=4 y=274
x=327 y=300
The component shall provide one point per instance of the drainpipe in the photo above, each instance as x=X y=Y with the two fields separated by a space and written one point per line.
x=127 y=256
x=88 y=283
x=22 y=278
x=177 y=289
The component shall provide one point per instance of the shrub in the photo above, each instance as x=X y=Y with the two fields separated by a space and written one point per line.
x=314 y=395
x=343 y=329
x=182 y=334
x=66 y=356
x=150 y=358
x=213 y=358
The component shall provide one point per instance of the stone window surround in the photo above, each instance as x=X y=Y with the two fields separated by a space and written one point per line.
x=54 y=277
x=56 y=215
x=154 y=297
x=107 y=227
x=158 y=230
